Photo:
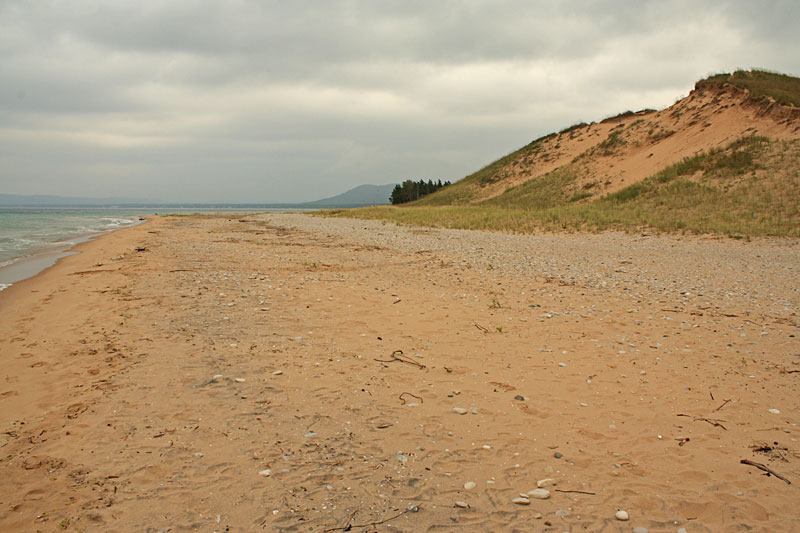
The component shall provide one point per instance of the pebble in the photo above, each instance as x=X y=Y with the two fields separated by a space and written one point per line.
x=621 y=515
x=216 y=377
x=562 y=512
x=473 y=410
x=562 y=364
x=469 y=485
x=265 y=472
x=545 y=482
x=310 y=434
x=277 y=373
x=539 y=494
x=521 y=501
x=774 y=411
x=682 y=530
x=239 y=380
x=461 y=504
x=640 y=530
x=459 y=410
x=520 y=398
x=558 y=455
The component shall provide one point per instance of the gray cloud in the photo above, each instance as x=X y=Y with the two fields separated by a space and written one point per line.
x=286 y=101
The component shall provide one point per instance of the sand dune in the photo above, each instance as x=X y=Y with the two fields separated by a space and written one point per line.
x=290 y=373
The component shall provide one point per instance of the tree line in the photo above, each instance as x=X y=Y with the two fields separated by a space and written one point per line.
x=410 y=190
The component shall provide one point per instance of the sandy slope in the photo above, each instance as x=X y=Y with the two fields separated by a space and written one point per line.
x=704 y=120
x=648 y=364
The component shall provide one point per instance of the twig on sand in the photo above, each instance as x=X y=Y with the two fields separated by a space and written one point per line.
x=721 y=406
x=350 y=526
x=414 y=395
x=577 y=492
x=483 y=329
x=765 y=468
x=713 y=421
x=397 y=355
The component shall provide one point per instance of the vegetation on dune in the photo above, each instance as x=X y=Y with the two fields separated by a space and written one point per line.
x=464 y=191
x=782 y=88
x=740 y=190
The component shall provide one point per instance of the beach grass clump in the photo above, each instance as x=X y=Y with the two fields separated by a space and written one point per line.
x=782 y=88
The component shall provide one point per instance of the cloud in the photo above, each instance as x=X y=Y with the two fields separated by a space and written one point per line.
x=284 y=101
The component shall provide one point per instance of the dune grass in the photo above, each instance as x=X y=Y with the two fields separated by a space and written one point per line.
x=782 y=88
x=747 y=189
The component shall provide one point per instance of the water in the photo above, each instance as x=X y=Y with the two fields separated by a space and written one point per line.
x=33 y=239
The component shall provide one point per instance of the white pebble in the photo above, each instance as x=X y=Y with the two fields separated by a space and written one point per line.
x=621 y=515
x=774 y=411
x=277 y=373
x=461 y=504
x=545 y=482
x=469 y=485
x=265 y=472
x=239 y=380
x=521 y=501
x=459 y=410
x=539 y=494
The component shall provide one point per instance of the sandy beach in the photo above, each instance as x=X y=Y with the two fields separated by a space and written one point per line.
x=283 y=372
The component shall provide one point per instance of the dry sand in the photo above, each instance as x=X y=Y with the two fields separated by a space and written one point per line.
x=237 y=374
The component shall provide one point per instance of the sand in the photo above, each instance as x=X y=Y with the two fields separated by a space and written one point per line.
x=291 y=373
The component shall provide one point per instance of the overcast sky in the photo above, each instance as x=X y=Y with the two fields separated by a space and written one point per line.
x=281 y=101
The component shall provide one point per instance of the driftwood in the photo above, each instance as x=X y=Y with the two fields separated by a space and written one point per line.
x=765 y=468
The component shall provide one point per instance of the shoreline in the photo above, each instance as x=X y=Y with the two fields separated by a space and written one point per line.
x=216 y=371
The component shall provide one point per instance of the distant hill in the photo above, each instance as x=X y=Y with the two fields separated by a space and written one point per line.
x=363 y=195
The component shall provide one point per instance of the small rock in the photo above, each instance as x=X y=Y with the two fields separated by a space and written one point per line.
x=519 y=398
x=216 y=377
x=562 y=364
x=462 y=505
x=265 y=472
x=277 y=373
x=681 y=530
x=473 y=410
x=239 y=380
x=538 y=516
x=469 y=485
x=621 y=515
x=412 y=508
x=640 y=530
x=521 y=501
x=310 y=434
x=562 y=512
x=774 y=411
x=459 y=410
x=558 y=455
x=539 y=494
x=545 y=482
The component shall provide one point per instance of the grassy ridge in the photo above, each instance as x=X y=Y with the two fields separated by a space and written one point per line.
x=748 y=188
x=761 y=83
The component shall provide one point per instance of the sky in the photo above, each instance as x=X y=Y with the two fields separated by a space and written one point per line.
x=289 y=101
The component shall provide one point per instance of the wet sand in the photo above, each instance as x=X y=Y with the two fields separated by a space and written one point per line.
x=290 y=373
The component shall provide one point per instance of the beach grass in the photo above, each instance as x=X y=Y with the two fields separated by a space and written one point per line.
x=782 y=88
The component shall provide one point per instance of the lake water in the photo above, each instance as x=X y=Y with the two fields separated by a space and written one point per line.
x=33 y=239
